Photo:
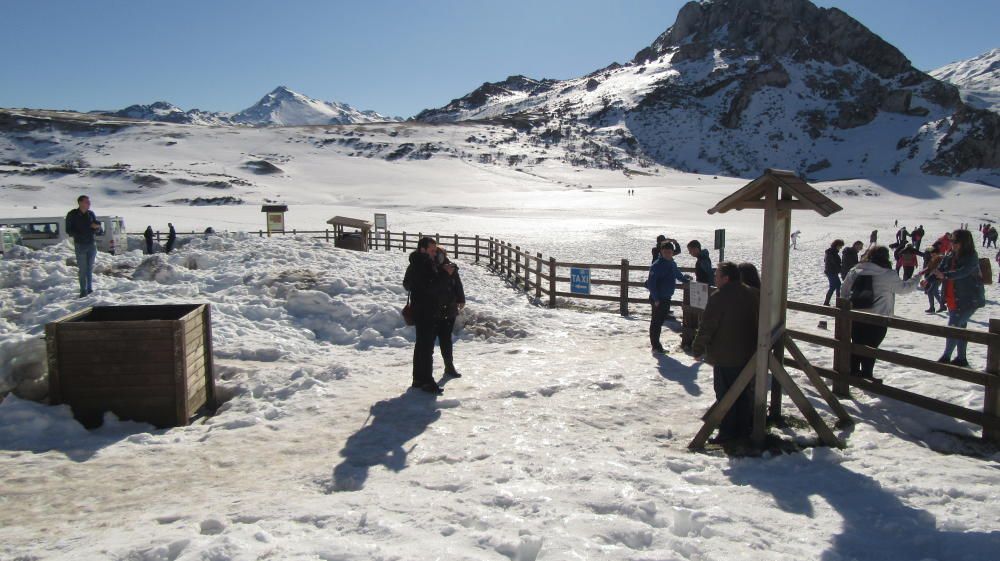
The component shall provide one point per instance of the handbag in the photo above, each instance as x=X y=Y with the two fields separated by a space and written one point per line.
x=407 y=311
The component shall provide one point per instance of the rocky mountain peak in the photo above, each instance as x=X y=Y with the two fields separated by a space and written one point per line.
x=772 y=29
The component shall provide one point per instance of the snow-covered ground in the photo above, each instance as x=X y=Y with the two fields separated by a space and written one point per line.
x=564 y=439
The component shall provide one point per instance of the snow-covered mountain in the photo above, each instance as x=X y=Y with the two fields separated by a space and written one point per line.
x=281 y=107
x=736 y=86
x=978 y=79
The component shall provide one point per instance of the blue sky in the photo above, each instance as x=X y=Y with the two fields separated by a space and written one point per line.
x=394 y=56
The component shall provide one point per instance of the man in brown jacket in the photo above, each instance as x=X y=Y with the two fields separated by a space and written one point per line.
x=727 y=337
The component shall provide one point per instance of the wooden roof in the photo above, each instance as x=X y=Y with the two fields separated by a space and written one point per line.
x=793 y=193
x=350 y=222
x=274 y=208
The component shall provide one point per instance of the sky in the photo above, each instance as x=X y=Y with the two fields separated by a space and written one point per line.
x=396 y=57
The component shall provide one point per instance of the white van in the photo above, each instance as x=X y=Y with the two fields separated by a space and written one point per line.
x=37 y=233
x=9 y=237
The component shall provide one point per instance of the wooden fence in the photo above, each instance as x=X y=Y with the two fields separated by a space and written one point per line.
x=546 y=279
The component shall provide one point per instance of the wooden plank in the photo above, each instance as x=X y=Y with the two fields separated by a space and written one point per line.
x=74 y=393
x=137 y=356
x=210 y=400
x=980 y=337
x=589 y=266
x=932 y=366
x=180 y=391
x=930 y=404
x=52 y=358
x=136 y=334
x=114 y=346
x=143 y=368
x=991 y=399
x=817 y=381
x=812 y=308
x=713 y=417
x=602 y=297
x=111 y=381
x=812 y=338
x=800 y=401
x=196 y=400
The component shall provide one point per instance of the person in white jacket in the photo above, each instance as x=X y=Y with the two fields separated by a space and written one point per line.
x=886 y=284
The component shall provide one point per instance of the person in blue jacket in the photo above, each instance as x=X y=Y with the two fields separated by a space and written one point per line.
x=663 y=278
x=82 y=224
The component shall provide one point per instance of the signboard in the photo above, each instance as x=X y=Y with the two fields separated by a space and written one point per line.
x=380 y=222
x=275 y=222
x=720 y=239
x=698 y=295
x=579 y=280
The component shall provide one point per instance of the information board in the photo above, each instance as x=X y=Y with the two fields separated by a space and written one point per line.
x=579 y=280
x=698 y=295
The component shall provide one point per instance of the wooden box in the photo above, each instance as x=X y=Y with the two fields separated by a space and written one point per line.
x=143 y=363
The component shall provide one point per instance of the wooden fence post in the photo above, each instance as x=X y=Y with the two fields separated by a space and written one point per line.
x=327 y=234
x=527 y=273
x=489 y=253
x=991 y=403
x=404 y=240
x=517 y=264
x=260 y=233
x=623 y=291
x=538 y=276
x=477 y=248
x=552 y=282
x=456 y=245
x=842 y=354
x=388 y=241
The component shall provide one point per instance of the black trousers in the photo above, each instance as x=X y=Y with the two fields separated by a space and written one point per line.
x=444 y=329
x=423 y=352
x=907 y=273
x=659 y=315
x=738 y=422
x=870 y=335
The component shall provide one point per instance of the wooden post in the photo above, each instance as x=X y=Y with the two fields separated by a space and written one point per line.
x=404 y=240
x=623 y=291
x=507 y=255
x=456 y=245
x=842 y=354
x=489 y=253
x=517 y=264
x=477 y=248
x=388 y=241
x=327 y=234
x=437 y=239
x=991 y=403
x=260 y=233
x=552 y=282
x=527 y=273
x=538 y=276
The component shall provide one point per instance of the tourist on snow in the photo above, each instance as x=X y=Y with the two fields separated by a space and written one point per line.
x=917 y=236
x=703 y=266
x=428 y=285
x=148 y=236
x=907 y=260
x=171 y=238
x=749 y=275
x=727 y=339
x=82 y=224
x=850 y=257
x=964 y=292
x=902 y=236
x=991 y=237
x=984 y=229
x=876 y=292
x=663 y=278
x=945 y=243
x=931 y=284
x=454 y=303
x=831 y=267
x=998 y=266
x=659 y=241
x=795 y=239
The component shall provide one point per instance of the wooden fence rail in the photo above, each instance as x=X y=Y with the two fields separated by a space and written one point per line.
x=540 y=276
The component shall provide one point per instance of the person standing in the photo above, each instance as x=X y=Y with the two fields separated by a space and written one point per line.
x=831 y=267
x=964 y=292
x=917 y=236
x=82 y=224
x=660 y=240
x=907 y=260
x=883 y=285
x=727 y=339
x=148 y=236
x=663 y=278
x=902 y=236
x=850 y=257
x=931 y=284
x=991 y=237
x=171 y=238
x=454 y=302
x=795 y=238
x=749 y=275
x=427 y=284
x=703 y=264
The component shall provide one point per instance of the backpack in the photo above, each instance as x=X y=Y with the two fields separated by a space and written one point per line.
x=985 y=270
x=863 y=292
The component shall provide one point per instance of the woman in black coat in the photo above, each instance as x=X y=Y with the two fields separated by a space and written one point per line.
x=429 y=294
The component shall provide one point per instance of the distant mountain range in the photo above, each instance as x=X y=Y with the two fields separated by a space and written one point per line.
x=978 y=79
x=737 y=86
x=281 y=107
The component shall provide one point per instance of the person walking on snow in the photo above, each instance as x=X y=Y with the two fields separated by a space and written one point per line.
x=82 y=224
x=831 y=268
x=663 y=278
x=171 y=238
x=917 y=236
x=907 y=260
x=850 y=257
x=795 y=239
x=148 y=236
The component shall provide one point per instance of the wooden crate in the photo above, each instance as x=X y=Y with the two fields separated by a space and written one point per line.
x=144 y=363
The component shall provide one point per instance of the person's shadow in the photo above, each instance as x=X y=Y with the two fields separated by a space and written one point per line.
x=675 y=371
x=381 y=441
x=876 y=524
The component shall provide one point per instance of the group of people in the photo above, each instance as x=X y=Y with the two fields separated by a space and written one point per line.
x=989 y=233
x=171 y=238
x=664 y=274
x=436 y=295
x=950 y=277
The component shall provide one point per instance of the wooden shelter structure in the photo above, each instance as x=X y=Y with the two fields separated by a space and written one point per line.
x=778 y=193
x=356 y=239
x=275 y=218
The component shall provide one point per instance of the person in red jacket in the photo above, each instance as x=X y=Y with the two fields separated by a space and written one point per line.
x=907 y=260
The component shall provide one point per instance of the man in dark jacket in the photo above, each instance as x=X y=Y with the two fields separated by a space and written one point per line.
x=850 y=258
x=727 y=339
x=171 y=238
x=454 y=302
x=82 y=224
x=428 y=286
x=831 y=268
x=148 y=236
x=661 y=283
x=703 y=266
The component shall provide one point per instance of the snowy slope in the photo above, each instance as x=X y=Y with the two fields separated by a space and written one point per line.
x=978 y=78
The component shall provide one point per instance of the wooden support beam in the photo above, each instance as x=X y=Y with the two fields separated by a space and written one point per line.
x=817 y=381
x=800 y=401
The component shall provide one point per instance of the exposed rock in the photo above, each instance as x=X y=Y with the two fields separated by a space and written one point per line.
x=262 y=167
